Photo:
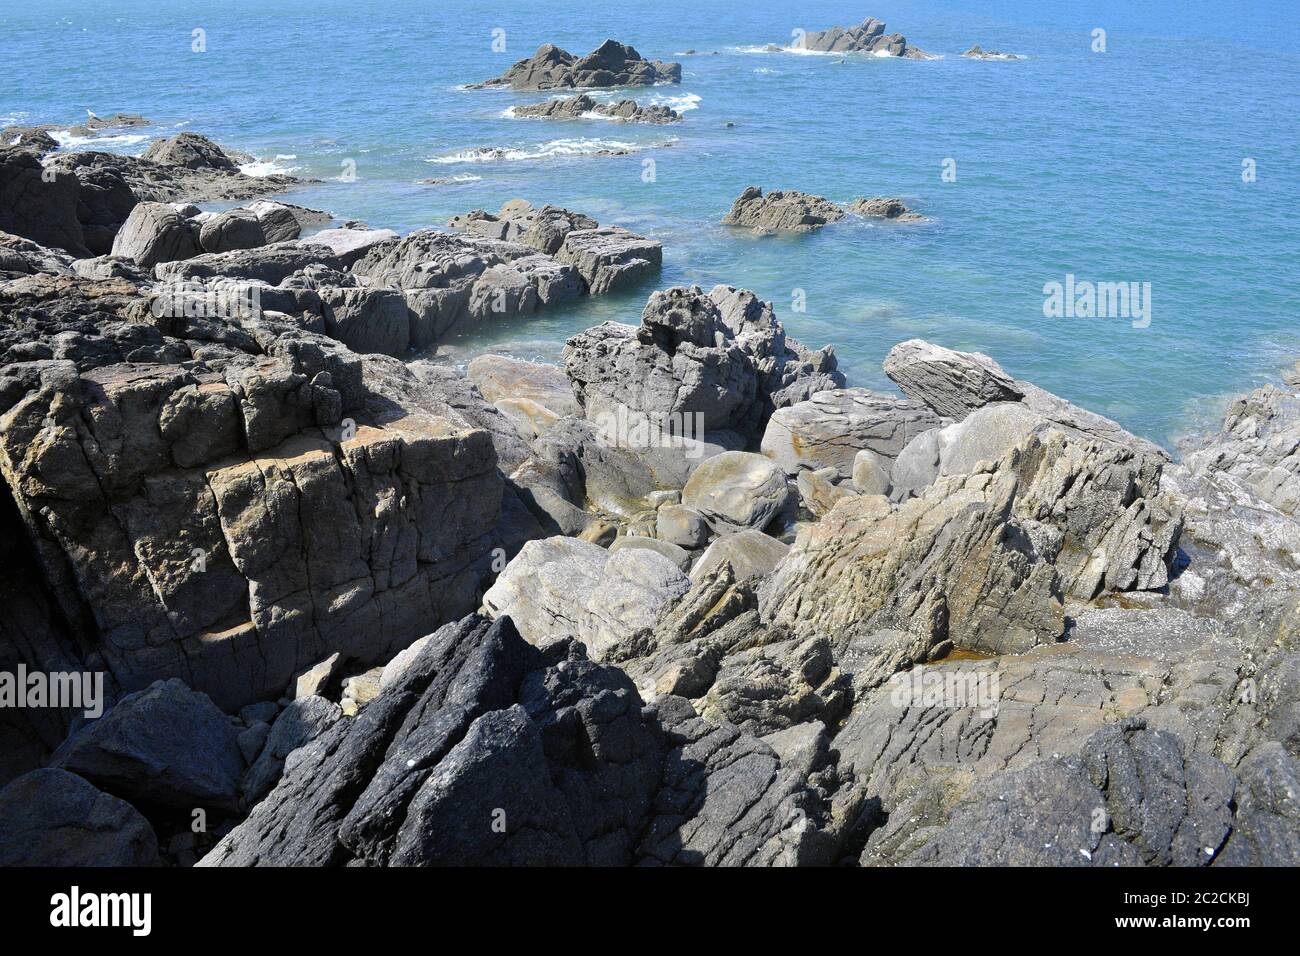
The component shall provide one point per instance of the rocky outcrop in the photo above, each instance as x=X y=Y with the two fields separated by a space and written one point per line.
x=583 y=106
x=39 y=203
x=868 y=37
x=795 y=212
x=779 y=211
x=956 y=383
x=489 y=751
x=154 y=233
x=719 y=361
x=232 y=501
x=166 y=746
x=984 y=559
x=610 y=64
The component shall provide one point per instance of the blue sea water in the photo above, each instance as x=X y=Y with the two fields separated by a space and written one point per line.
x=1117 y=166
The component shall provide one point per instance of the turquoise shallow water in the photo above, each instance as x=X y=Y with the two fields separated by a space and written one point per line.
x=1122 y=166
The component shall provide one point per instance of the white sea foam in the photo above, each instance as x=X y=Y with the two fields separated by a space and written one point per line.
x=682 y=103
x=67 y=140
x=450 y=180
x=269 y=167
x=555 y=148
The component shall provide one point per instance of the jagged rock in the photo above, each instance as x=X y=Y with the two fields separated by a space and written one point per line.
x=883 y=207
x=868 y=37
x=831 y=427
x=154 y=233
x=1259 y=444
x=165 y=746
x=778 y=685
x=696 y=363
x=986 y=556
x=729 y=800
x=954 y=384
x=736 y=490
x=51 y=817
x=583 y=106
x=316 y=680
x=1133 y=796
x=751 y=554
x=543 y=229
x=297 y=725
x=481 y=753
x=236 y=229
x=610 y=258
x=778 y=211
x=562 y=587
x=610 y=64
x=951 y=565
x=201 y=523
x=38 y=203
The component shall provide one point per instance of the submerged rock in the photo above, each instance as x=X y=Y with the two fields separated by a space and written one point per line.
x=583 y=106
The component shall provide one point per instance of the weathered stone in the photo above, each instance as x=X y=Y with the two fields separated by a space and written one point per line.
x=736 y=490
x=54 y=818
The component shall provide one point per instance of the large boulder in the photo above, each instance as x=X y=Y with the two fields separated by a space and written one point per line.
x=167 y=746
x=750 y=554
x=831 y=427
x=610 y=64
x=236 y=229
x=154 y=233
x=189 y=150
x=39 y=204
x=51 y=817
x=610 y=258
x=736 y=490
x=563 y=587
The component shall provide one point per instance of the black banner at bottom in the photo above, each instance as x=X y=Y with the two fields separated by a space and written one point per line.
x=305 y=905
